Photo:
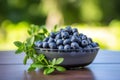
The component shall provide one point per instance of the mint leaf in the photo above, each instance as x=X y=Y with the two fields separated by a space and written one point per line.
x=30 y=41
x=60 y=68
x=41 y=57
x=18 y=43
x=54 y=61
x=39 y=37
x=59 y=60
x=29 y=32
x=31 y=68
x=55 y=28
x=18 y=51
x=25 y=60
x=37 y=65
x=48 y=71
x=44 y=30
x=33 y=29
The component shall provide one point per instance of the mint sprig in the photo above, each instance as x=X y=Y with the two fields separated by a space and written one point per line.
x=39 y=61
x=48 y=66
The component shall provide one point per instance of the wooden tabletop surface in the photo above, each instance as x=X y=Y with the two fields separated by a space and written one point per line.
x=106 y=66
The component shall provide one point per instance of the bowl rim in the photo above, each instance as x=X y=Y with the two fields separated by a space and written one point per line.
x=37 y=48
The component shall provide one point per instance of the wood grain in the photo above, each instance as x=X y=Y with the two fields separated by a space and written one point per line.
x=106 y=66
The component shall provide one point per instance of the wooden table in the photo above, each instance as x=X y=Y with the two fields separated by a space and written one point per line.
x=106 y=66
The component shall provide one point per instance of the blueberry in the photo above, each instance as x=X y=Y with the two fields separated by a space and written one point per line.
x=51 y=40
x=45 y=45
x=38 y=44
x=68 y=29
x=70 y=36
x=58 y=36
x=81 y=34
x=75 y=39
x=75 y=45
x=89 y=40
x=67 y=47
x=94 y=44
x=74 y=30
x=66 y=41
x=84 y=43
x=61 y=47
x=88 y=47
x=46 y=39
x=59 y=42
x=52 y=45
x=52 y=34
x=65 y=35
x=61 y=30
x=76 y=34
x=83 y=37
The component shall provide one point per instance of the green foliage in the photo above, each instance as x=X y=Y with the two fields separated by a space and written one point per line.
x=27 y=46
x=20 y=46
x=48 y=71
x=71 y=11
x=18 y=43
x=59 y=68
x=55 y=28
x=48 y=66
x=39 y=61
x=25 y=59
x=58 y=61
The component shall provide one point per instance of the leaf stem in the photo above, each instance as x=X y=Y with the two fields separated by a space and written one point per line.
x=46 y=61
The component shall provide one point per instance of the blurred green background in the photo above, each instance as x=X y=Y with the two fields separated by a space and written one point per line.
x=99 y=19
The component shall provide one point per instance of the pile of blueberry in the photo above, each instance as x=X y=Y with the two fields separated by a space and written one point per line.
x=66 y=39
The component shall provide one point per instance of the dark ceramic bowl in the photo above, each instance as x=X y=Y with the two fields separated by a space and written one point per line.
x=72 y=58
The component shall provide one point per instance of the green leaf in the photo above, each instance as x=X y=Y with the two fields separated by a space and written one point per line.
x=18 y=43
x=49 y=61
x=25 y=60
x=29 y=32
x=44 y=30
x=55 y=28
x=59 y=60
x=25 y=47
x=54 y=61
x=18 y=51
x=42 y=34
x=34 y=29
x=30 y=41
x=37 y=65
x=41 y=57
x=48 y=71
x=31 y=68
x=60 y=68
x=39 y=37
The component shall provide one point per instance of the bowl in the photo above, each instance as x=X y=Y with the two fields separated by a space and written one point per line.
x=72 y=58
